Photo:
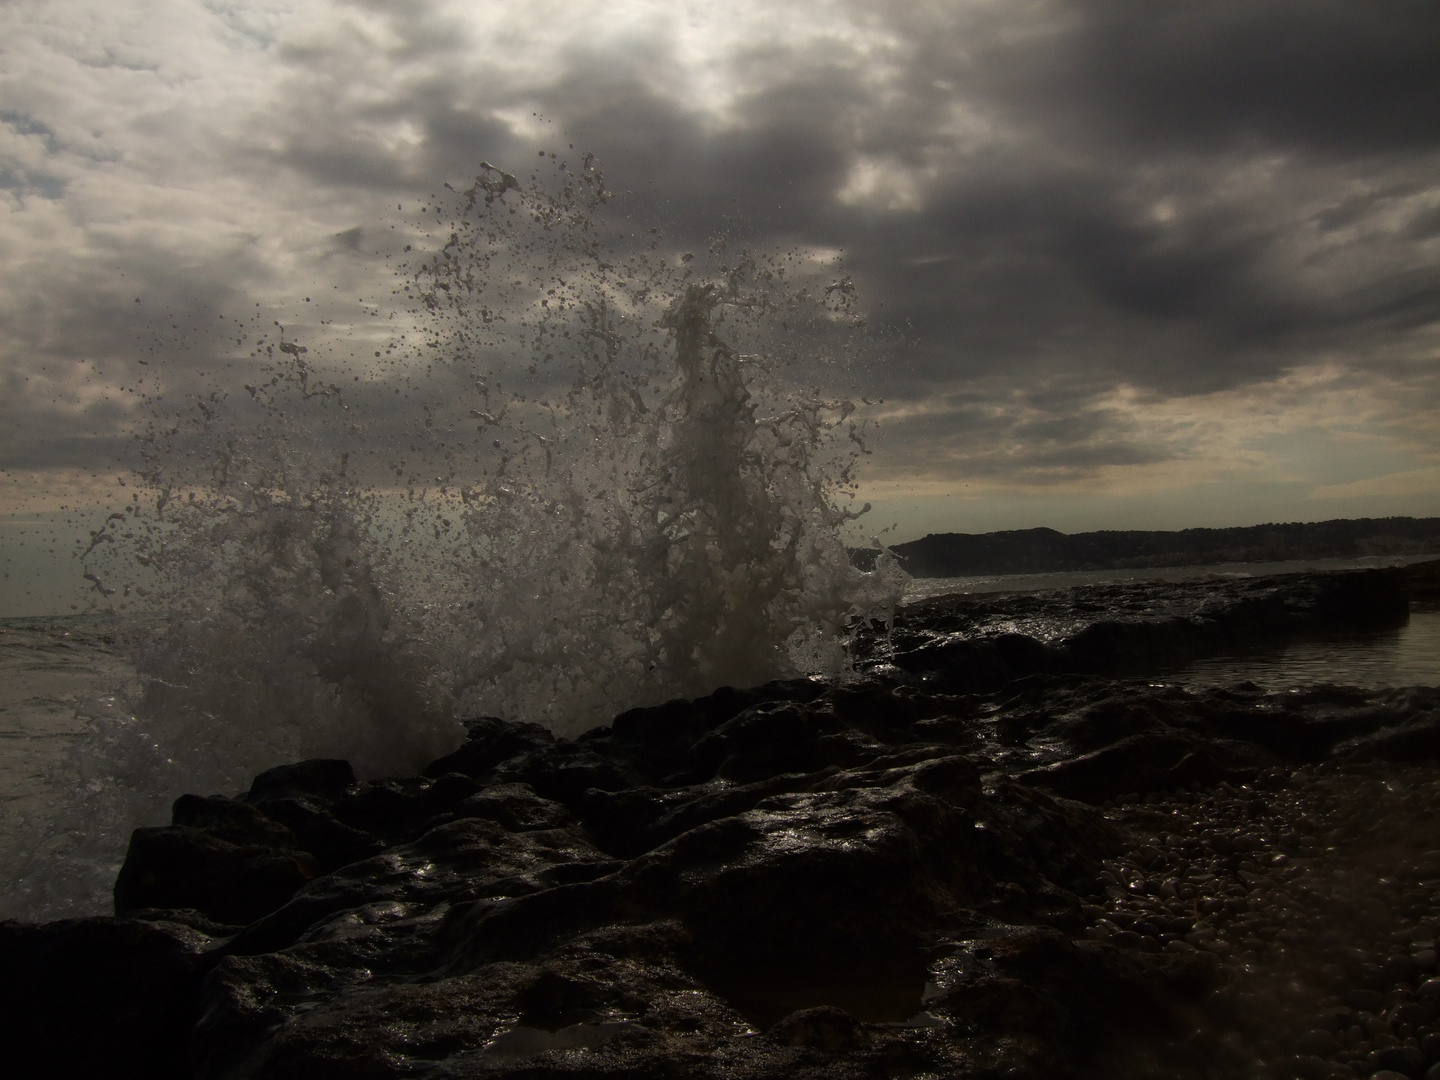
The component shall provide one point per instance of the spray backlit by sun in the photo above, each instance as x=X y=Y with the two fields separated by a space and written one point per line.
x=650 y=505
x=587 y=471
x=586 y=474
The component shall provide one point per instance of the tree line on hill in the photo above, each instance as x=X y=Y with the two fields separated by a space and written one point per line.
x=1038 y=551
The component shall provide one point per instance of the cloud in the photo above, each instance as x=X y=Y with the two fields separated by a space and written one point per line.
x=1097 y=239
x=1409 y=483
x=1332 y=77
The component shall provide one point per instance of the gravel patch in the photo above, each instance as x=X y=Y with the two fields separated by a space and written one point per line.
x=1317 y=894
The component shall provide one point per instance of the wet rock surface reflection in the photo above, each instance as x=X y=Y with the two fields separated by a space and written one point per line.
x=951 y=866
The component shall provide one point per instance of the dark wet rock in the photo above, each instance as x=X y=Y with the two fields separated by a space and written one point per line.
x=763 y=741
x=1430 y=1046
x=230 y=820
x=1406 y=1060
x=289 y=820
x=320 y=778
x=631 y=822
x=982 y=642
x=1316 y=1042
x=490 y=741
x=1415 y=738
x=980 y=664
x=185 y=867
x=515 y=807
x=565 y=771
x=316 y=830
x=99 y=997
x=396 y=810
x=992 y=857
x=824 y=1028
x=452 y=862
x=1154 y=761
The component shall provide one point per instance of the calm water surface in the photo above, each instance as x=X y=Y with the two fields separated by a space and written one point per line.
x=1407 y=656
x=56 y=676
x=924 y=588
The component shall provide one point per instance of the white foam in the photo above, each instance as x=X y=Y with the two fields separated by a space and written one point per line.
x=587 y=480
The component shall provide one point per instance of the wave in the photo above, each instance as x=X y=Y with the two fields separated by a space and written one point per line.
x=578 y=476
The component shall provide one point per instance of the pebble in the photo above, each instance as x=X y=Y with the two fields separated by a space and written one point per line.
x=1322 y=915
x=1403 y=1059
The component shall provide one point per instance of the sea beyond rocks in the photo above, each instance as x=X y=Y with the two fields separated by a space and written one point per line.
x=1008 y=848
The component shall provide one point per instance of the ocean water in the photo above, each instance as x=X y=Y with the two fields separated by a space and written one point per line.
x=56 y=677
x=925 y=588
x=1405 y=656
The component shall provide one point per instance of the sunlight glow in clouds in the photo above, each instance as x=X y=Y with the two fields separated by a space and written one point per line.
x=1113 y=252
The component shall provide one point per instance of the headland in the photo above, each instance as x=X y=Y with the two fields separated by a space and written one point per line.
x=1043 y=551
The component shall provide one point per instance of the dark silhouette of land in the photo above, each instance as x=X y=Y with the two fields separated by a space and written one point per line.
x=1037 y=551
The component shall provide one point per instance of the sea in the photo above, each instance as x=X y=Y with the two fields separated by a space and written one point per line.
x=67 y=680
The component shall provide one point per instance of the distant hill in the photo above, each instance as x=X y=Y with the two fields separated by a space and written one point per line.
x=1038 y=551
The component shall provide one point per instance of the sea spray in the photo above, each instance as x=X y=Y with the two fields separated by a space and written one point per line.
x=650 y=506
x=581 y=474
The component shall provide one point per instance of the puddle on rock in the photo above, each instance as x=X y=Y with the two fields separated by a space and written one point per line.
x=881 y=990
x=522 y=1041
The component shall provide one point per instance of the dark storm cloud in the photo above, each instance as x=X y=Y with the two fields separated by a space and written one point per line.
x=336 y=147
x=770 y=176
x=1100 y=112
x=93 y=341
x=1183 y=198
x=1053 y=236
x=1334 y=76
x=1041 y=202
x=41 y=440
x=1032 y=441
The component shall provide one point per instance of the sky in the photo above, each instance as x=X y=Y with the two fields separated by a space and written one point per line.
x=1132 y=265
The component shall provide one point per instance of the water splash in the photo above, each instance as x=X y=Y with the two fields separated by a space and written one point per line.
x=581 y=474
x=658 y=515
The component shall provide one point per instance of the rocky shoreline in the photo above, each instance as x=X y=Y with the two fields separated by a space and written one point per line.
x=1006 y=850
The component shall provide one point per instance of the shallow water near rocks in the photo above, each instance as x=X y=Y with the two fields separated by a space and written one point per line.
x=1408 y=655
x=924 y=588
x=522 y=1041
x=884 y=989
